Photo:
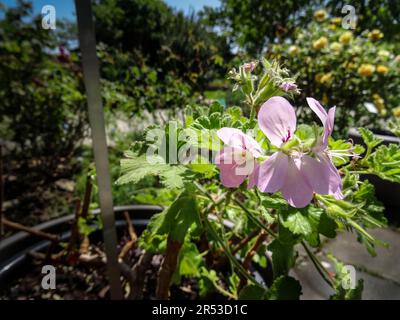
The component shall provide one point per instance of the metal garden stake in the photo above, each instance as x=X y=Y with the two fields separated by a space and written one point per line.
x=91 y=75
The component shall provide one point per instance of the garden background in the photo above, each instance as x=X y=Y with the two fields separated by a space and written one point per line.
x=155 y=60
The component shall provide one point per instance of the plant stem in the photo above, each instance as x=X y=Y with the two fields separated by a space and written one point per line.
x=168 y=268
x=132 y=234
x=249 y=257
x=87 y=197
x=223 y=291
x=38 y=233
x=255 y=219
x=74 y=229
x=245 y=241
x=228 y=252
x=138 y=272
x=252 y=113
x=318 y=265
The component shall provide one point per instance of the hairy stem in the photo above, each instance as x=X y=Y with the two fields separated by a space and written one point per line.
x=138 y=272
x=318 y=265
x=168 y=268
x=249 y=257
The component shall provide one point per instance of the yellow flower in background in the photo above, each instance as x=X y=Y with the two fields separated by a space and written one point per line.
x=366 y=70
x=332 y=27
x=383 y=53
x=336 y=20
x=349 y=65
x=320 y=43
x=325 y=79
x=318 y=77
x=336 y=46
x=375 y=34
x=346 y=37
x=382 y=69
x=396 y=112
x=320 y=15
x=379 y=103
x=293 y=50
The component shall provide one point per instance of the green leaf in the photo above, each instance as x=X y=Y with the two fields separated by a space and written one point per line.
x=369 y=139
x=394 y=126
x=177 y=219
x=296 y=221
x=342 y=280
x=283 y=258
x=385 y=162
x=216 y=107
x=327 y=226
x=173 y=177
x=284 y=288
x=252 y=292
x=190 y=260
x=84 y=227
x=273 y=201
x=235 y=113
x=340 y=146
x=207 y=281
x=306 y=134
x=215 y=120
x=134 y=168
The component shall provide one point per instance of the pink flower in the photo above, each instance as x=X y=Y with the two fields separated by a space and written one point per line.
x=321 y=150
x=288 y=86
x=294 y=173
x=237 y=161
x=250 y=66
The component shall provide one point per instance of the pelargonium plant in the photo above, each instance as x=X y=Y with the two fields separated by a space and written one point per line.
x=246 y=193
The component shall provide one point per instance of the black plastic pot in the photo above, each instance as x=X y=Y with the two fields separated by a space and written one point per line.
x=13 y=250
x=387 y=192
x=14 y=259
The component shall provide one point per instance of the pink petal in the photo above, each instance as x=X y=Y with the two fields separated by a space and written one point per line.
x=338 y=194
x=245 y=165
x=227 y=155
x=253 y=177
x=327 y=119
x=231 y=136
x=277 y=120
x=252 y=146
x=318 y=109
x=335 y=181
x=329 y=124
x=318 y=174
x=272 y=173
x=228 y=177
x=236 y=138
x=227 y=165
x=296 y=190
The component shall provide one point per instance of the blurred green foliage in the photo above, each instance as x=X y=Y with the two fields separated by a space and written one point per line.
x=171 y=42
x=42 y=110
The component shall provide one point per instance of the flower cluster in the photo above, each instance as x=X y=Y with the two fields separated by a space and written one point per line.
x=297 y=169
